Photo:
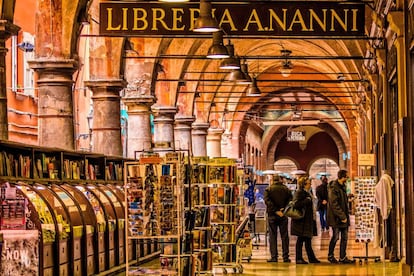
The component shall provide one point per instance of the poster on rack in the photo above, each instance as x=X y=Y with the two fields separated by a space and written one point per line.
x=20 y=252
x=365 y=208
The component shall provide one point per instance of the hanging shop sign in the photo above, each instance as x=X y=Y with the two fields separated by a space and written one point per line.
x=295 y=136
x=245 y=19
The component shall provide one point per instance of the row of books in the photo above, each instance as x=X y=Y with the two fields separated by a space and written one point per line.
x=203 y=195
x=49 y=167
x=14 y=166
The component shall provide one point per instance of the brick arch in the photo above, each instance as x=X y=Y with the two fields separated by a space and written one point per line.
x=273 y=138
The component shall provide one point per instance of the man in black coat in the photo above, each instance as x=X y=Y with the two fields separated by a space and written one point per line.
x=322 y=195
x=276 y=197
x=338 y=217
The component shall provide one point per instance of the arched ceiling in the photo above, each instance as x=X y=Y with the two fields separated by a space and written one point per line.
x=327 y=81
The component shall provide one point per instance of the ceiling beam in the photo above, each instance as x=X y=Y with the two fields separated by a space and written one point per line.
x=350 y=57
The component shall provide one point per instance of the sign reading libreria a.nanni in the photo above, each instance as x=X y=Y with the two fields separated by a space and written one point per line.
x=321 y=18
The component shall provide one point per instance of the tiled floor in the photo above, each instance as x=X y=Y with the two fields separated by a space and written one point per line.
x=258 y=265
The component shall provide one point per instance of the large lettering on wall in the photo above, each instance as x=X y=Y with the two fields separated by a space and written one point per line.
x=235 y=18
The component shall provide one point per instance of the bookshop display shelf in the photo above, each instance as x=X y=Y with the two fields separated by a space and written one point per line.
x=199 y=205
x=155 y=212
x=224 y=194
x=68 y=206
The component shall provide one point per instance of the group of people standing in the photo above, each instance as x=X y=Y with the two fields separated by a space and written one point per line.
x=333 y=211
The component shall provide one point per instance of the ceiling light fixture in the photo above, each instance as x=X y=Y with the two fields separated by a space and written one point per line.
x=253 y=89
x=231 y=62
x=217 y=50
x=246 y=78
x=236 y=75
x=205 y=22
x=287 y=66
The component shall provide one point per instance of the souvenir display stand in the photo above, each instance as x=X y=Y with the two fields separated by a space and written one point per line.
x=224 y=194
x=365 y=214
x=154 y=211
x=72 y=200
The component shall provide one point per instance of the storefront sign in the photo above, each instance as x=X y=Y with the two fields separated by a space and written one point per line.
x=235 y=18
x=295 y=135
x=366 y=159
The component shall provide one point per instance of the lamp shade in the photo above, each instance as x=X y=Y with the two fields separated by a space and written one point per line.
x=217 y=50
x=205 y=22
x=285 y=70
x=246 y=78
x=231 y=62
x=253 y=89
x=235 y=76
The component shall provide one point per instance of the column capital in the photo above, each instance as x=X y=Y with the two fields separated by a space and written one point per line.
x=215 y=131
x=105 y=83
x=200 y=127
x=54 y=64
x=139 y=102
x=184 y=120
x=7 y=29
x=160 y=110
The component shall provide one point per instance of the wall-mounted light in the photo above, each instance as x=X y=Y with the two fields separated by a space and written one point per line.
x=217 y=50
x=205 y=22
x=287 y=66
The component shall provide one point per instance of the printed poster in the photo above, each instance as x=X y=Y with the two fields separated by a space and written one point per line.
x=20 y=253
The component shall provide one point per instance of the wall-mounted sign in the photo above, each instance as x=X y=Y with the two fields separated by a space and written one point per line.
x=366 y=159
x=295 y=135
x=305 y=18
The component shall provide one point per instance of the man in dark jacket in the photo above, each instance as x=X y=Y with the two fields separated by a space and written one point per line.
x=322 y=195
x=276 y=197
x=338 y=217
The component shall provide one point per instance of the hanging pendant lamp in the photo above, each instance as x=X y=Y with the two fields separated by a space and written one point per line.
x=205 y=22
x=217 y=50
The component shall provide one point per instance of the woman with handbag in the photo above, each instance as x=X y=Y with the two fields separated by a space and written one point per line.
x=304 y=228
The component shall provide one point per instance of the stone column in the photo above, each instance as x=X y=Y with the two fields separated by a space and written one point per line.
x=199 y=138
x=55 y=106
x=6 y=30
x=106 y=129
x=214 y=142
x=164 y=127
x=182 y=132
x=139 y=136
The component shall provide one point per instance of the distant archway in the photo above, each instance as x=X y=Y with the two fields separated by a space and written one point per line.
x=323 y=166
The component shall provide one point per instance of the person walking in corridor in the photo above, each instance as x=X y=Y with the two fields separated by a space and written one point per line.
x=304 y=228
x=338 y=217
x=276 y=197
x=322 y=195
